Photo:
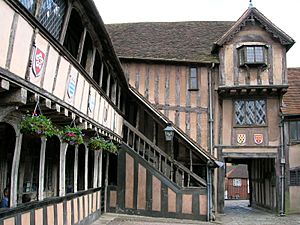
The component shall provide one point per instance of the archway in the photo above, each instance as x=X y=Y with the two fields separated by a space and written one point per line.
x=7 y=146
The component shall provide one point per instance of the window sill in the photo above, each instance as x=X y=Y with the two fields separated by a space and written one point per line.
x=193 y=89
x=250 y=126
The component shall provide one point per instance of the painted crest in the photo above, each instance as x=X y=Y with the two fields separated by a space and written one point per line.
x=71 y=87
x=241 y=138
x=258 y=138
x=105 y=113
x=38 y=62
x=91 y=103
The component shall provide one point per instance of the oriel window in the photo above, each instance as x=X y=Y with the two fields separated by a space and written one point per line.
x=193 y=79
x=252 y=55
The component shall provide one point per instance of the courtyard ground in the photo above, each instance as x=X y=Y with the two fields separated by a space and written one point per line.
x=237 y=212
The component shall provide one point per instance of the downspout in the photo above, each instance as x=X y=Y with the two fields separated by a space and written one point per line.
x=209 y=169
x=282 y=163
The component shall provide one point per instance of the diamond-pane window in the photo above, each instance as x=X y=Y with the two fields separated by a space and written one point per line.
x=29 y=4
x=260 y=112
x=52 y=15
x=239 y=112
x=250 y=112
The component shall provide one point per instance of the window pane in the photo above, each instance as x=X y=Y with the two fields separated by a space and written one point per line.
x=293 y=179
x=239 y=108
x=250 y=112
x=250 y=54
x=259 y=54
x=193 y=78
x=260 y=112
x=298 y=130
x=29 y=4
x=52 y=14
x=293 y=130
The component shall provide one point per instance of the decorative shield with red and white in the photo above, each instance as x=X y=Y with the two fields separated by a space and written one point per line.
x=241 y=138
x=258 y=138
x=38 y=62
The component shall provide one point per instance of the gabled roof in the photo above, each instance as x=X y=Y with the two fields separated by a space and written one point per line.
x=291 y=99
x=252 y=14
x=173 y=41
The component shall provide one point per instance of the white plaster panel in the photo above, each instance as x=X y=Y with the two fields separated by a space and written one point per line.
x=85 y=97
x=97 y=107
x=21 y=48
x=61 y=78
x=50 y=69
x=79 y=90
x=5 y=24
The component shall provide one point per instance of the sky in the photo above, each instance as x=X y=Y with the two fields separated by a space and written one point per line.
x=284 y=14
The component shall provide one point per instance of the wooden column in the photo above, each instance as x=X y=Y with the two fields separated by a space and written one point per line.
x=106 y=181
x=42 y=169
x=15 y=169
x=96 y=167
x=86 y=163
x=108 y=83
x=62 y=168
x=75 y=168
x=100 y=168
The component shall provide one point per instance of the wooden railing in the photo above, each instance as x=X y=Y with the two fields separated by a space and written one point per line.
x=160 y=160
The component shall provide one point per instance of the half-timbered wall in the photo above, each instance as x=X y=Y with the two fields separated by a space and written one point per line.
x=167 y=88
x=23 y=45
x=145 y=191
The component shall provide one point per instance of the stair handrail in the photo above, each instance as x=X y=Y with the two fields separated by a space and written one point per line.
x=165 y=155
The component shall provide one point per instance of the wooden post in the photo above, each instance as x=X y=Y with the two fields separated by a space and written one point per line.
x=96 y=167
x=15 y=169
x=42 y=169
x=106 y=181
x=62 y=168
x=76 y=169
x=100 y=169
x=86 y=163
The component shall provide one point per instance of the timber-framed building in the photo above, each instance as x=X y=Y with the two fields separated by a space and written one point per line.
x=221 y=83
x=57 y=57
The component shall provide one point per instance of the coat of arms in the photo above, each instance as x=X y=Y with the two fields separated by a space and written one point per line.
x=38 y=62
x=71 y=87
x=258 y=138
x=241 y=138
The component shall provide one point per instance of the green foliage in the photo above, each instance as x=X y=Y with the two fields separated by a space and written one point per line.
x=98 y=143
x=72 y=135
x=111 y=147
x=38 y=125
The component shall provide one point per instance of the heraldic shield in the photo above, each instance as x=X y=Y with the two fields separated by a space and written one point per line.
x=38 y=62
x=258 y=138
x=241 y=138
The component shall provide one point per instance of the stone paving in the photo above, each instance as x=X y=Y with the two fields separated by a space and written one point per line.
x=236 y=213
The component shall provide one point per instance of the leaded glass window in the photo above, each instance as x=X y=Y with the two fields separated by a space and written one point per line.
x=252 y=55
x=294 y=130
x=294 y=177
x=250 y=112
x=193 y=79
x=52 y=15
x=29 y=4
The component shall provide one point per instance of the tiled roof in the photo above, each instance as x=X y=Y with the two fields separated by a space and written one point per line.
x=239 y=171
x=176 y=41
x=291 y=100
